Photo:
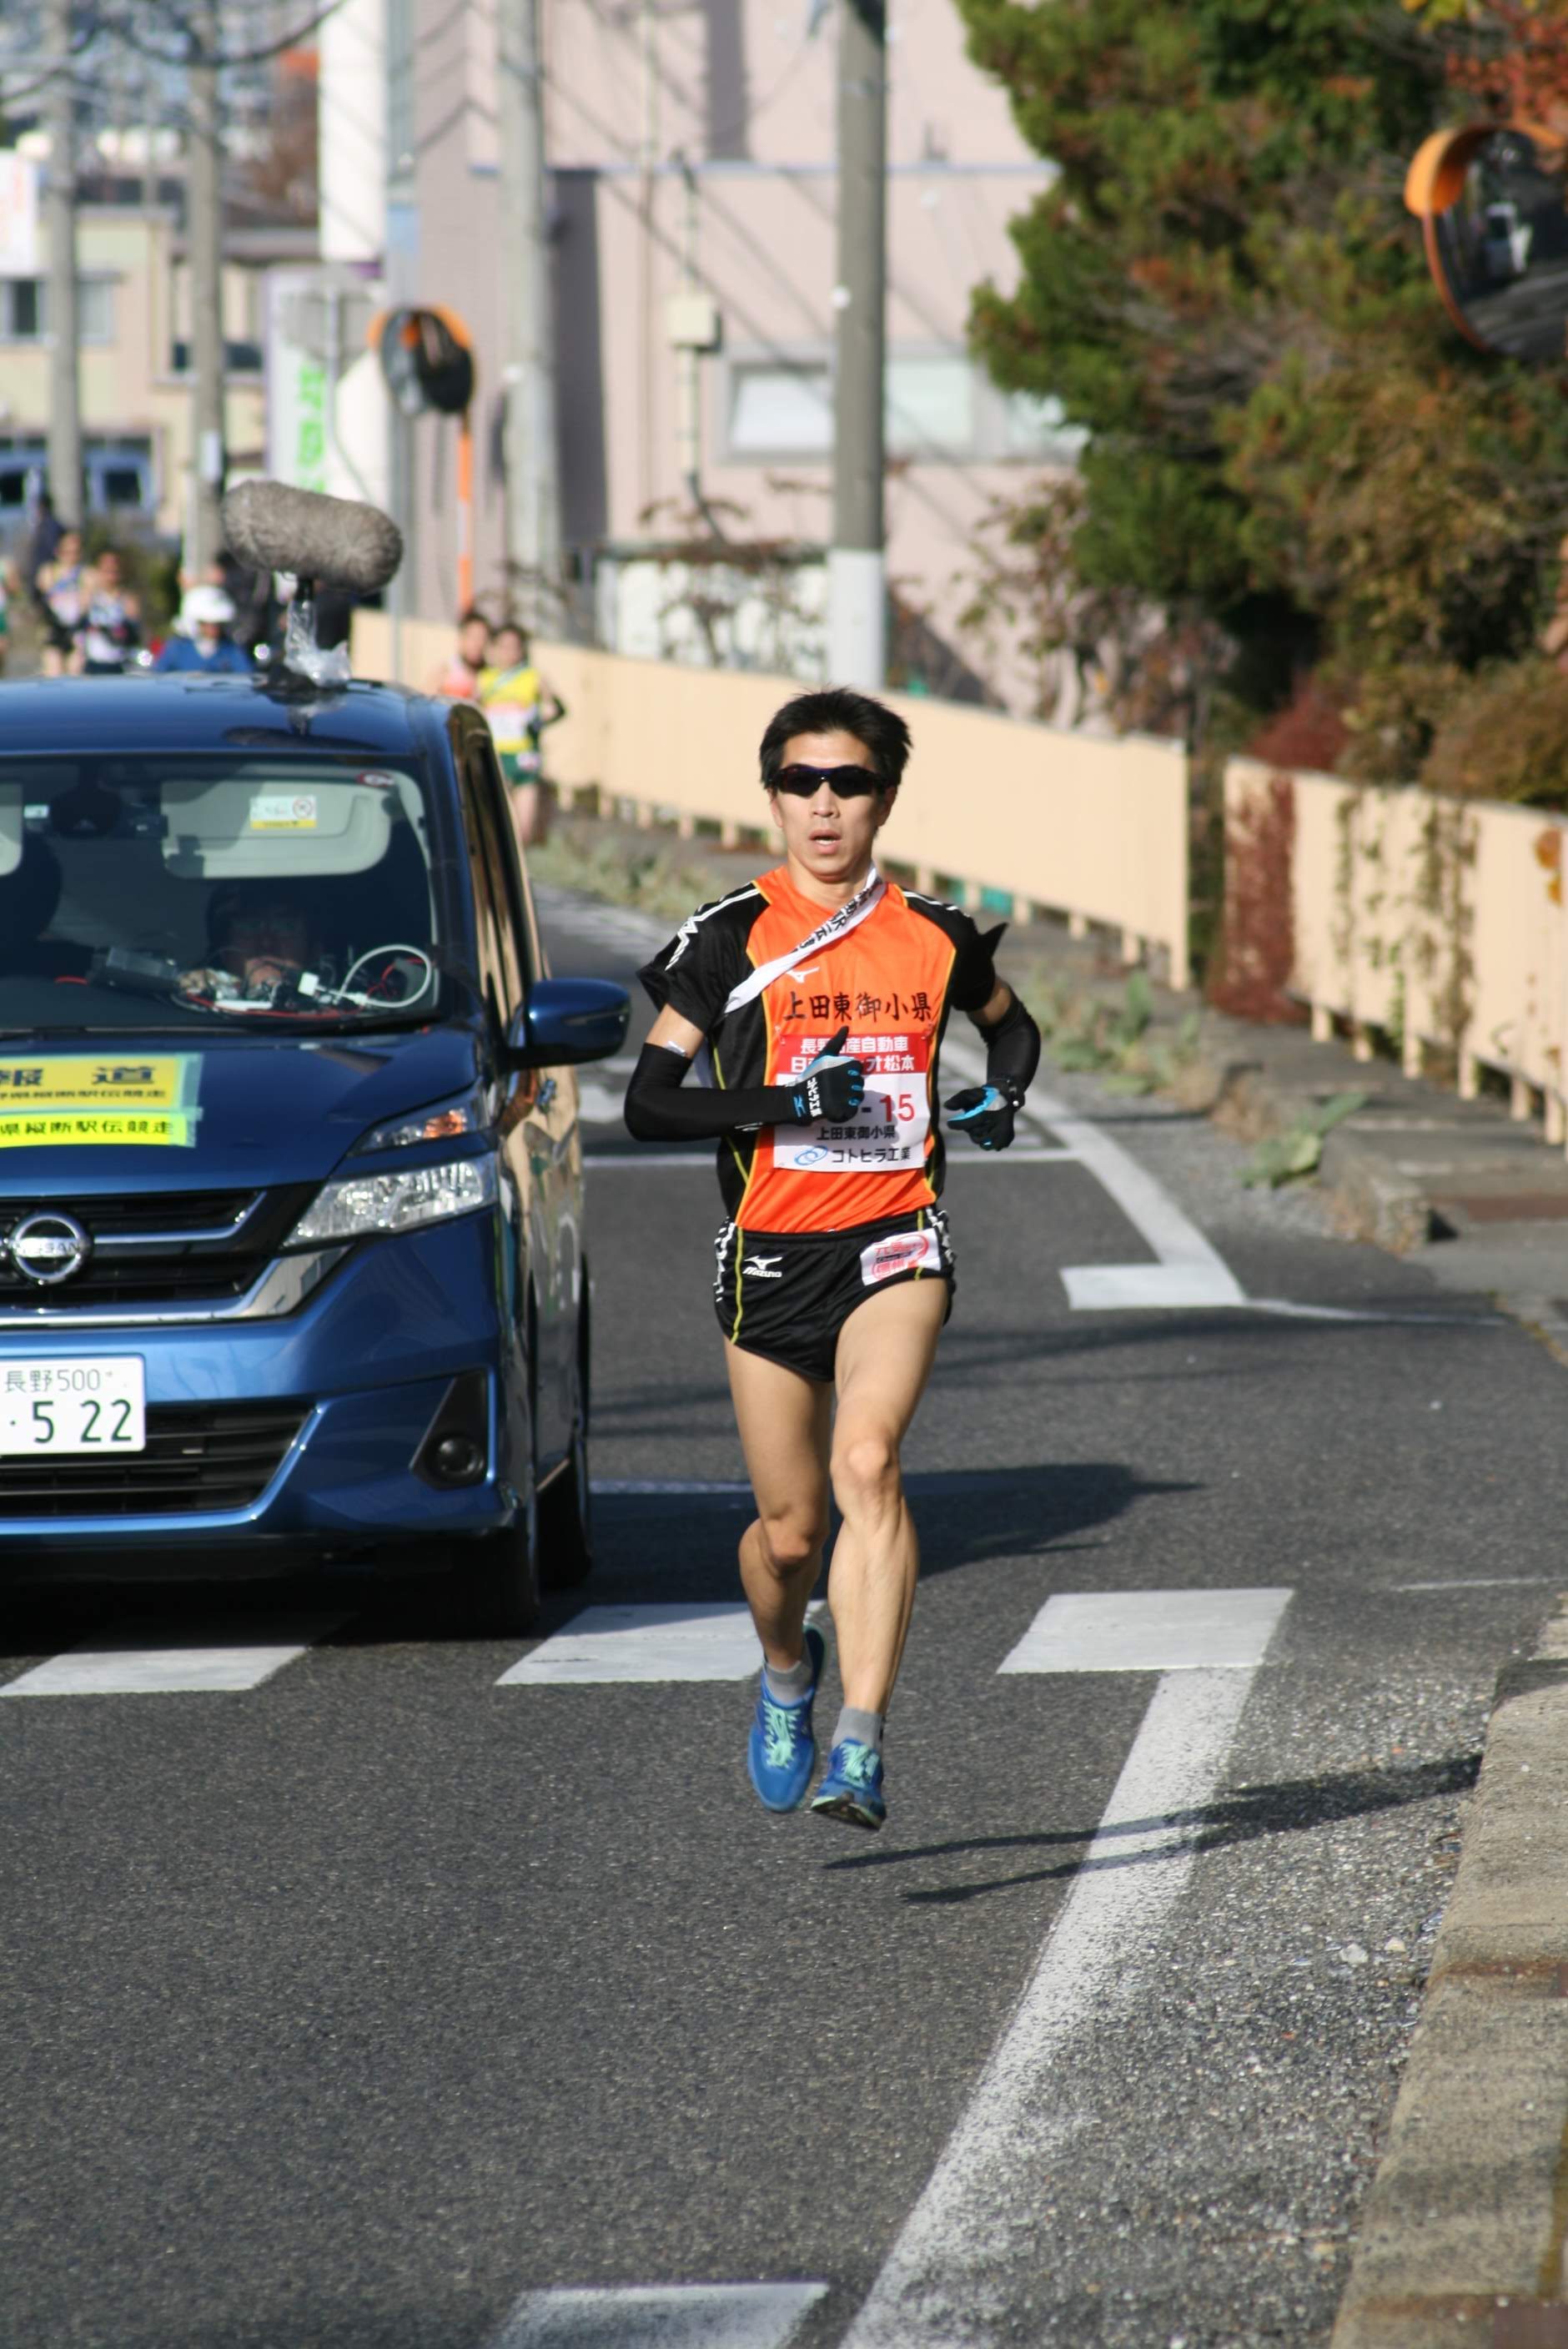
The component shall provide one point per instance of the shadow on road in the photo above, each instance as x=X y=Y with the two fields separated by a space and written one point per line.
x=1290 y=1806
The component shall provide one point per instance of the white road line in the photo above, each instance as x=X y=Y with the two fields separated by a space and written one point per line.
x=980 y=2208
x=128 y=1667
x=598 y=1104
x=1189 y=1271
x=671 y=1484
x=699 y=1642
x=640 y=1158
x=1481 y=1582
x=1149 y=1631
x=673 y=2317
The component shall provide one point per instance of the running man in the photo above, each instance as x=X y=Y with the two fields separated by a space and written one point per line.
x=819 y=996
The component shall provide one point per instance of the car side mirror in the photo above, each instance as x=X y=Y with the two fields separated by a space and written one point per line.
x=567 y=1021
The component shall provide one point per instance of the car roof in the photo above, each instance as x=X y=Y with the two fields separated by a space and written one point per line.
x=182 y=712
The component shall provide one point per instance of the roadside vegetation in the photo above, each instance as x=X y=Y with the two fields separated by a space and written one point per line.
x=1309 y=518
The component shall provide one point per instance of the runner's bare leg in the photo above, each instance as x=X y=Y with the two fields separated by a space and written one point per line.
x=885 y=1352
x=783 y=1420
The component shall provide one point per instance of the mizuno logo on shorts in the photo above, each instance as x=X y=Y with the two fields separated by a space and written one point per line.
x=763 y=1267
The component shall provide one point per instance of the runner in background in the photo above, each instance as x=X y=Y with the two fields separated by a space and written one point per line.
x=520 y=707
x=458 y=679
x=61 y=591
x=817 y=997
x=111 y=627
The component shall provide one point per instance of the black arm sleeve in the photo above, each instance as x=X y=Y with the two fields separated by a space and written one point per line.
x=659 y=1111
x=1012 y=1049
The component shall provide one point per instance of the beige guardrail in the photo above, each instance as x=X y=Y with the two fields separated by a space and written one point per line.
x=1094 y=828
x=1439 y=922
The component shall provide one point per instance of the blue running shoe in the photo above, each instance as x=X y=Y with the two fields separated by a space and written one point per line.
x=852 y=1788
x=781 y=1753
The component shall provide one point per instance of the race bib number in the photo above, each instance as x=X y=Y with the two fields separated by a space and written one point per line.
x=887 y=1133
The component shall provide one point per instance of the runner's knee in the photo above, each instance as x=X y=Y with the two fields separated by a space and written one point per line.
x=790 y=1543
x=865 y=1471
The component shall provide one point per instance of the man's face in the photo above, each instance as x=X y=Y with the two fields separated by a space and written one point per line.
x=831 y=838
x=267 y=942
x=109 y=569
x=70 y=549
x=473 y=643
x=508 y=649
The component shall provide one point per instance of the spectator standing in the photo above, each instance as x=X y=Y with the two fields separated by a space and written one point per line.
x=520 y=706
x=208 y=613
x=458 y=679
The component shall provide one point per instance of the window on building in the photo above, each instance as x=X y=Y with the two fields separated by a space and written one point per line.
x=23 y=309
x=95 y=309
x=239 y=358
x=930 y=404
x=941 y=409
x=781 y=409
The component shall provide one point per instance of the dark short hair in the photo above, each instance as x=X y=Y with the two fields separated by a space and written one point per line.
x=466 y=619
x=512 y=629
x=839 y=710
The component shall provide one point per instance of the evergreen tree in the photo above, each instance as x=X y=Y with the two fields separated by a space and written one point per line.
x=1294 y=458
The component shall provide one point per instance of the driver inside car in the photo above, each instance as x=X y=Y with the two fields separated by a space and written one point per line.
x=260 y=940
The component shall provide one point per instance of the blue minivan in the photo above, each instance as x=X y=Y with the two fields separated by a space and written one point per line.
x=292 y=1255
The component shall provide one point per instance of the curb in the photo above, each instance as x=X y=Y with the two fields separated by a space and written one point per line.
x=1464 y=2238
x=1369 y=1197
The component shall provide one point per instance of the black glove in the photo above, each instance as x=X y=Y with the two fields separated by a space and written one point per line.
x=985 y=1113
x=834 y=1091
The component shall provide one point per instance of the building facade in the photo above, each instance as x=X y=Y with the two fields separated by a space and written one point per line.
x=691 y=152
x=133 y=314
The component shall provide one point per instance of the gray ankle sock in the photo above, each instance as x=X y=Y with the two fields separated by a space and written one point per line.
x=865 y=1728
x=790 y=1687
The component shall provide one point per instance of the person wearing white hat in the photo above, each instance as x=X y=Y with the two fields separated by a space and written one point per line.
x=208 y=612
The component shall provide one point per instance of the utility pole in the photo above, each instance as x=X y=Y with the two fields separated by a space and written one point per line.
x=857 y=586
x=65 y=385
x=204 y=260
x=533 y=457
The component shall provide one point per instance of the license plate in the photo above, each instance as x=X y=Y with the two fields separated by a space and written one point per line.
x=83 y=1403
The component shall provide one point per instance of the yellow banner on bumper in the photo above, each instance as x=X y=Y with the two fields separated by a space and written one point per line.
x=175 y=1130
x=75 y=1098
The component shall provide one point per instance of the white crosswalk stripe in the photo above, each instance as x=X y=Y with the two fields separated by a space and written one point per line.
x=1149 y=1631
x=665 y=2316
x=664 y=1642
x=192 y=1662
x=651 y=1643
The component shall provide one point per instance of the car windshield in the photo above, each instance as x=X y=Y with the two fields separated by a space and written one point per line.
x=267 y=890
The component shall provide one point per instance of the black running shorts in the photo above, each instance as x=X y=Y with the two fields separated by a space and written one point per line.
x=787 y=1295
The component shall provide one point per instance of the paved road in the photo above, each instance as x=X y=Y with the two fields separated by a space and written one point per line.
x=428 y=1994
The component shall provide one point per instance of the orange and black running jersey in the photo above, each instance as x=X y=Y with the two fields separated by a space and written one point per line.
x=891 y=981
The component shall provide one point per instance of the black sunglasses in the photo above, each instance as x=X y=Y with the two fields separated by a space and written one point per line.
x=844 y=782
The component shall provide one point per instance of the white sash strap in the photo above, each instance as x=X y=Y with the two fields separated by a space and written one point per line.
x=839 y=925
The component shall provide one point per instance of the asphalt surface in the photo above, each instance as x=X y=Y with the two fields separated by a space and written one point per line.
x=351 y=2009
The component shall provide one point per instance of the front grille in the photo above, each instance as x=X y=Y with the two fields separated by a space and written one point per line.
x=199 y=1458
x=166 y=1249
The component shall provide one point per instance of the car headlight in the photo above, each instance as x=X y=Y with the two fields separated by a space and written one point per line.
x=358 y=1204
x=464 y=1114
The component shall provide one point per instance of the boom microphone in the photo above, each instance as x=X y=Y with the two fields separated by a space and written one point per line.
x=336 y=542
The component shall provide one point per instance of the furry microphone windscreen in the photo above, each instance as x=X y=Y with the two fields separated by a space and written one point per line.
x=334 y=541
